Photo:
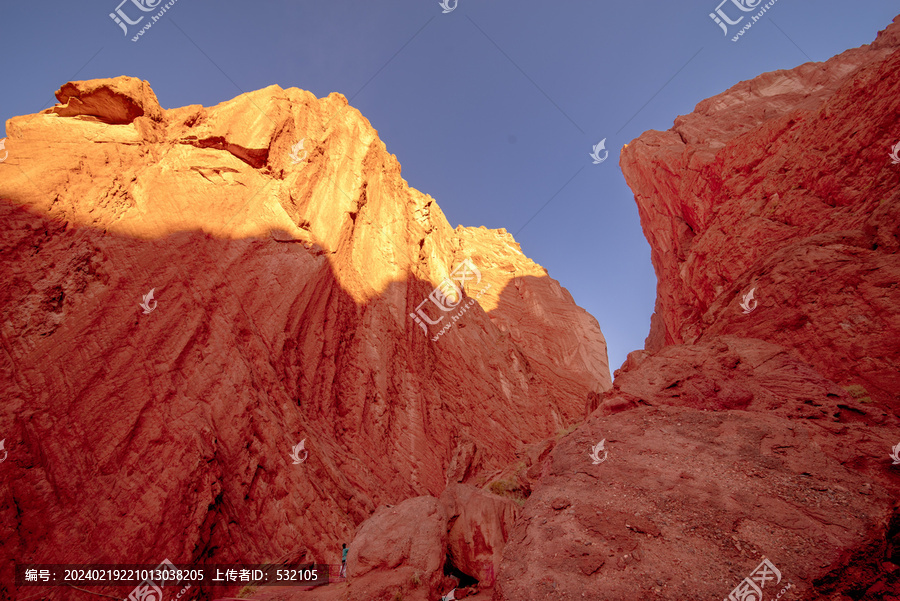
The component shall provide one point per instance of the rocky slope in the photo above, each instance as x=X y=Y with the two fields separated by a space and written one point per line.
x=720 y=454
x=735 y=438
x=293 y=271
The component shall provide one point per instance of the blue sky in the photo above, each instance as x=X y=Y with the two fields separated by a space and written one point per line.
x=492 y=108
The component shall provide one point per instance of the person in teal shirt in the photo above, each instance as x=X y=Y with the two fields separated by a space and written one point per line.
x=344 y=560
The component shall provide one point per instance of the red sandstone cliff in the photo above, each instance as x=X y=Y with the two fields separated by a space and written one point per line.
x=284 y=291
x=734 y=437
x=784 y=184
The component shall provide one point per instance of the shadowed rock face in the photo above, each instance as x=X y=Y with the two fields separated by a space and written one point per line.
x=784 y=184
x=281 y=312
x=734 y=438
x=719 y=453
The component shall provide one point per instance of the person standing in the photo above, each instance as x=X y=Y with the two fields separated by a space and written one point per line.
x=344 y=551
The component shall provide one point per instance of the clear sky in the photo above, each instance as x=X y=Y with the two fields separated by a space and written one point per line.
x=491 y=108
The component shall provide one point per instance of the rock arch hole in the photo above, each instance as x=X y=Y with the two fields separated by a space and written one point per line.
x=465 y=580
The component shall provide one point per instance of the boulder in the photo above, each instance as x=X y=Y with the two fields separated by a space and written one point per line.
x=479 y=526
x=117 y=101
x=400 y=548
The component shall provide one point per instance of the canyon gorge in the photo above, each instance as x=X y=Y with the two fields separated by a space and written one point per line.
x=448 y=392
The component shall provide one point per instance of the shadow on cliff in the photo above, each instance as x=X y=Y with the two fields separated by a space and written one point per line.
x=136 y=436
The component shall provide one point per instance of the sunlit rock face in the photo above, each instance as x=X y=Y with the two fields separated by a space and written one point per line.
x=784 y=186
x=291 y=266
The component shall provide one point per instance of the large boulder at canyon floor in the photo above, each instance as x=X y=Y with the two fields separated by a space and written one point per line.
x=479 y=525
x=399 y=549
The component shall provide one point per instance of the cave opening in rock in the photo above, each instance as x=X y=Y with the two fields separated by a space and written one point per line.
x=450 y=569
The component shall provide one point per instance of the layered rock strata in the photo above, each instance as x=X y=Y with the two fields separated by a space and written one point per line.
x=291 y=267
x=784 y=186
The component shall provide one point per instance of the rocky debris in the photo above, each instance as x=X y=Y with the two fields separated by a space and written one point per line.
x=783 y=186
x=728 y=372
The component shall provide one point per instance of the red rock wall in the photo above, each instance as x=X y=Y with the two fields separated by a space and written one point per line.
x=736 y=437
x=784 y=184
x=284 y=292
